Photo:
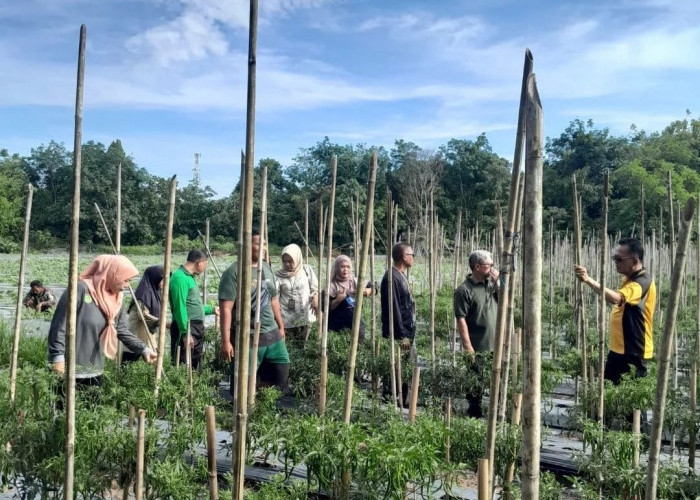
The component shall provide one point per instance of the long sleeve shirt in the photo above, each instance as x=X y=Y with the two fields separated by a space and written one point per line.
x=89 y=326
x=403 y=305
x=185 y=300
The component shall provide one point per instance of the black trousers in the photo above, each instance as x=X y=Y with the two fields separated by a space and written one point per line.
x=197 y=333
x=617 y=365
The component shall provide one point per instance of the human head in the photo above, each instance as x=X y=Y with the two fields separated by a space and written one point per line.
x=480 y=263
x=196 y=261
x=111 y=273
x=255 y=242
x=402 y=254
x=629 y=256
x=37 y=286
x=292 y=258
x=342 y=268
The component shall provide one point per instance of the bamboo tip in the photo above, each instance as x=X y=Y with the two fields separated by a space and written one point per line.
x=689 y=209
x=528 y=54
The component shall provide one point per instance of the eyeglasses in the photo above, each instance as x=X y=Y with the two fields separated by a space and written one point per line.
x=488 y=264
x=617 y=258
x=408 y=255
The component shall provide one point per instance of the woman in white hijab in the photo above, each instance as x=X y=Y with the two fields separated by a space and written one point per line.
x=298 y=293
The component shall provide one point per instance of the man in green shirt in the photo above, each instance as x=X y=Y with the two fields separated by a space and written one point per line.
x=273 y=359
x=186 y=306
x=476 y=309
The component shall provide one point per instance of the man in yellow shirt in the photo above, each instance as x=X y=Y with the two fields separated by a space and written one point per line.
x=631 y=339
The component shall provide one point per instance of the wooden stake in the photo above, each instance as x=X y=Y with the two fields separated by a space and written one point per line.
x=693 y=390
x=532 y=296
x=602 y=321
x=399 y=377
x=140 y=455
x=483 y=475
x=306 y=230
x=211 y=453
x=163 y=319
x=20 y=294
x=359 y=299
x=71 y=319
x=636 y=432
x=258 y=295
x=390 y=295
x=241 y=417
x=205 y=274
x=415 y=384
x=664 y=353
x=321 y=227
x=327 y=300
x=502 y=323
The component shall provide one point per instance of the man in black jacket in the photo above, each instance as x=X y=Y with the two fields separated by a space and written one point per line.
x=403 y=303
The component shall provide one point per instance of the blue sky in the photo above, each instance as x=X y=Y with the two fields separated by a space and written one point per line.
x=168 y=77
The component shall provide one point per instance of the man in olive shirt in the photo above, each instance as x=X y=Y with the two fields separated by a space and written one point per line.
x=476 y=309
x=273 y=358
x=186 y=306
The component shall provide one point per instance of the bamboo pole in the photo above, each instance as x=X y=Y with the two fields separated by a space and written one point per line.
x=252 y=379
x=359 y=299
x=71 y=319
x=163 y=319
x=579 y=307
x=140 y=455
x=20 y=294
x=321 y=309
x=306 y=230
x=693 y=403
x=601 y=301
x=671 y=245
x=415 y=384
x=515 y=421
x=390 y=295
x=118 y=231
x=636 y=432
x=665 y=350
x=532 y=295
x=399 y=377
x=431 y=278
x=239 y=271
x=205 y=274
x=241 y=418
x=211 y=453
x=642 y=229
x=483 y=476
x=327 y=300
x=553 y=341
x=501 y=323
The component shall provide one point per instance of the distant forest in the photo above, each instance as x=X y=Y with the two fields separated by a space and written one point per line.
x=463 y=174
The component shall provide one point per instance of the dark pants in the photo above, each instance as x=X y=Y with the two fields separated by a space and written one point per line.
x=129 y=357
x=618 y=364
x=197 y=333
x=81 y=385
x=476 y=395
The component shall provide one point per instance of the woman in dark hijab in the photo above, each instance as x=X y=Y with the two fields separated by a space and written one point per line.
x=148 y=295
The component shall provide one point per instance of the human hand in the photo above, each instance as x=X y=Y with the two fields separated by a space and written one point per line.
x=341 y=295
x=226 y=350
x=191 y=342
x=38 y=307
x=468 y=347
x=284 y=336
x=406 y=344
x=149 y=356
x=59 y=367
x=581 y=273
x=217 y=311
x=314 y=304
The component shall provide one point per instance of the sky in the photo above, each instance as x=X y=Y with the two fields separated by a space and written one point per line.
x=168 y=77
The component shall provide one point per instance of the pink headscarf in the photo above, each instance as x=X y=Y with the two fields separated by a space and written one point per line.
x=349 y=285
x=102 y=275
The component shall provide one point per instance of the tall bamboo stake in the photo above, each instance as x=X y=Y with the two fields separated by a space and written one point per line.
x=140 y=455
x=483 y=468
x=118 y=230
x=671 y=245
x=205 y=274
x=642 y=229
x=327 y=299
x=361 y=276
x=373 y=301
x=321 y=227
x=71 y=320
x=239 y=271
x=20 y=294
x=390 y=295
x=163 y=318
x=502 y=323
x=693 y=403
x=601 y=301
x=306 y=230
x=258 y=286
x=579 y=307
x=532 y=295
x=665 y=350
x=211 y=453
x=241 y=417
x=553 y=341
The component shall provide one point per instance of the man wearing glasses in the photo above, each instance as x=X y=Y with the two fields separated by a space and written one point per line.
x=403 y=303
x=476 y=308
x=631 y=340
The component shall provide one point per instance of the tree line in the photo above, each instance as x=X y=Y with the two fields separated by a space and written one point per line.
x=461 y=174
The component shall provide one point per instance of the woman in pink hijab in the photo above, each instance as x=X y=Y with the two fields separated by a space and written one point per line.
x=101 y=321
x=342 y=293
